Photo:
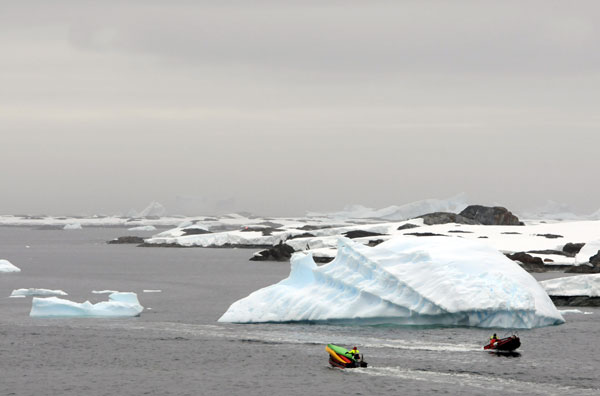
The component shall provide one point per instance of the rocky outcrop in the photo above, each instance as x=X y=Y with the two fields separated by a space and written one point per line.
x=407 y=226
x=195 y=231
x=528 y=262
x=550 y=236
x=572 y=248
x=487 y=215
x=281 y=252
x=360 y=234
x=549 y=251
x=445 y=218
x=424 y=234
x=303 y=235
x=584 y=269
x=127 y=239
x=575 y=301
x=595 y=259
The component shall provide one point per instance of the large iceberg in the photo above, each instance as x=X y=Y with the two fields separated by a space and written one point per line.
x=407 y=281
x=118 y=304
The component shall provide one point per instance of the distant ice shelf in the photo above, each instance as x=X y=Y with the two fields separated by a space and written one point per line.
x=120 y=304
x=405 y=281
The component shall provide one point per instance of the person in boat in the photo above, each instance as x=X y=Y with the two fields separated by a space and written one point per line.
x=355 y=353
x=493 y=339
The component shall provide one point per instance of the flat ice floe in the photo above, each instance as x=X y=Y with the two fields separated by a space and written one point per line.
x=7 y=266
x=580 y=285
x=407 y=281
x=118 y=305
x=36 y=292
x=143 y=228
x=72 y=226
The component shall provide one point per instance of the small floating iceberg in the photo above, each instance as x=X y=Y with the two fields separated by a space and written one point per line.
x=7 y=266
x=406 y=281
x=121 y=304
x=36 y=292
x=73 y=226
x=143 y=228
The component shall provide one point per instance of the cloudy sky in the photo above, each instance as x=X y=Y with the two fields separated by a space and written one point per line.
x=278 y=107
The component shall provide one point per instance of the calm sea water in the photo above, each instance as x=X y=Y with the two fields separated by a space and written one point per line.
x=176 y=347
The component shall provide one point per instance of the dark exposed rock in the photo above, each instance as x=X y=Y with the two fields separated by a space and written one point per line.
x=374 y=242
x=549 y=251
x=460 y=232
x=322 y=259
x=127 y=239
x=270 y=224
x=194 y=231
x=309 y=227
x=547 y=260
x=550 y=236
x=303 y=235
x=445 y=218
x=528 y=262
x=360 y=234
x=281 y=252
x=595 y=259
x=487 y=215
x=572 y=248
x=424 y=234
x=511 y=233
x=482 y=237
x=584 y=269
x=407 y=226
x=575 y=301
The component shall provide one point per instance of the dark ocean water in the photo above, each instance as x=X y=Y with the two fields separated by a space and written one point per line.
x=178 y=348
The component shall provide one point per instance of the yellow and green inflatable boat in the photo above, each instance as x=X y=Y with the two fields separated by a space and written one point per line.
x=342 y=358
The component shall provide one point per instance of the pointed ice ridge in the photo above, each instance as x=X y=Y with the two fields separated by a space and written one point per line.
x=408 y=281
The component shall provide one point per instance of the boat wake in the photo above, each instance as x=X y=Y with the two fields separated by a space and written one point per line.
x=475 y=380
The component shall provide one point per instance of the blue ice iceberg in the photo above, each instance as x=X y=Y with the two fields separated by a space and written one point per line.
x=119 y=304
x=406 y=281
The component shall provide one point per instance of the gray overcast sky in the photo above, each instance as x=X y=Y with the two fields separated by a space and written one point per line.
x=278 y=107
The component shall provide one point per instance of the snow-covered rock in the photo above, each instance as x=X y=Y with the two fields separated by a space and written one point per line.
x=72 y=226
x=36 y=292
x=118 y=304
x=408 y=281
x=143 y=228
x=580 y=285
x=588 y=250
x=7 y=266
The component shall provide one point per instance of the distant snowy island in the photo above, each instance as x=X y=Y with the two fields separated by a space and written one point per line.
x=442 y=236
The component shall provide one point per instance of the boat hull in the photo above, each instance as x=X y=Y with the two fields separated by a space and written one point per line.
x=504 y=344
